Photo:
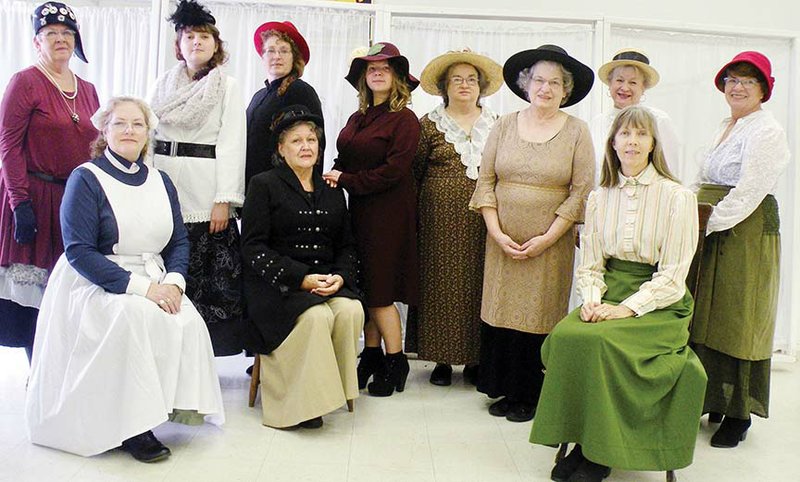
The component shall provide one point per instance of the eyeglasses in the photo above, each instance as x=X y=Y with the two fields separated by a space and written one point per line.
x=470 y=81
x=746 y=83
x=281 y=52
x=52 y=35
x=553 y=83
x=119 y=126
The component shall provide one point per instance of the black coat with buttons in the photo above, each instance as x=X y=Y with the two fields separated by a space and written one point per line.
x=287 y=234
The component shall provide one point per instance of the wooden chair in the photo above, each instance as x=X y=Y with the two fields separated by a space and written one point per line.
x=255 y=379
x=692 y=283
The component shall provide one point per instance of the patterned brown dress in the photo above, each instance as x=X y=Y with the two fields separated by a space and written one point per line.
x=450 y=241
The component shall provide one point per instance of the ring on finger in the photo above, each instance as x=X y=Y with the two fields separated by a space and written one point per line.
x=162 y=302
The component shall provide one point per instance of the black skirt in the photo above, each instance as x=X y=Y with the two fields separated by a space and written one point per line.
x=214 y=284
x=511 y=364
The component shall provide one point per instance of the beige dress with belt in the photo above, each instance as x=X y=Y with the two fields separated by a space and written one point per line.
x=530 y=184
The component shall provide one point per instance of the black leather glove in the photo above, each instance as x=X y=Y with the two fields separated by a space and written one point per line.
x=24 y=223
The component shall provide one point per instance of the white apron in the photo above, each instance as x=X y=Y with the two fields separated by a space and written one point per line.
x=110 y=366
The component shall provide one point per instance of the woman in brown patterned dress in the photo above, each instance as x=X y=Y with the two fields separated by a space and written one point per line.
x=450 y=238
x=536 y=172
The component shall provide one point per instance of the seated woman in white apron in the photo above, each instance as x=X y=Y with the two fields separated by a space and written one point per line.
x=119 y=349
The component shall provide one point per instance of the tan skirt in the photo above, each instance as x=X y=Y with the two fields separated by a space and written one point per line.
x=313 y=372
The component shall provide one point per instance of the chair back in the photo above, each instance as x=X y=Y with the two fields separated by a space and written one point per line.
x=693 y=279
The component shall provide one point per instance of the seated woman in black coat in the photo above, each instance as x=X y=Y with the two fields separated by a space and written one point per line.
x=299 y=272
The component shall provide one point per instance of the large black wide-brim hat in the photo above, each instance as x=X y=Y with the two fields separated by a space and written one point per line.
x=582 y=75
x=51 y=13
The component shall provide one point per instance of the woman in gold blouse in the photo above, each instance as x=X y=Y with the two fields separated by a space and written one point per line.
x=536 y=171
x=621 y=381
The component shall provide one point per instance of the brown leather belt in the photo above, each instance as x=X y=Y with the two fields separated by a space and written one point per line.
x=185 y=149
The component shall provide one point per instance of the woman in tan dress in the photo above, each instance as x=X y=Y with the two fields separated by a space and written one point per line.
x=536 y=172
x=450 y=238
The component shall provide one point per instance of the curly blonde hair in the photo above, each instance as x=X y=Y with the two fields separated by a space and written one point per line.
x=399 y=96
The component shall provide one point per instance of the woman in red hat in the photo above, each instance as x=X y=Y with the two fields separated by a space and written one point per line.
x=45 y=132
x=285 y=55
x=376 y=153
x=734 y=319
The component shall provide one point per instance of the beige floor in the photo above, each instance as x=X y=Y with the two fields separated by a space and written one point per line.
x=426 y=433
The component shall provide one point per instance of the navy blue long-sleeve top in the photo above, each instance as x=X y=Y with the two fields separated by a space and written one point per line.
x=90 y=230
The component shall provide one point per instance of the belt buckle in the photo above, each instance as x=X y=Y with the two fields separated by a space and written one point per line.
x=173 y=149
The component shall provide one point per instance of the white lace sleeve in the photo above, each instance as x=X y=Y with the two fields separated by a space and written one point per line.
x=764 y=157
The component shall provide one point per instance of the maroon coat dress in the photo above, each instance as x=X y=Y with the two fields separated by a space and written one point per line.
x=376 y=152
x=38 y=135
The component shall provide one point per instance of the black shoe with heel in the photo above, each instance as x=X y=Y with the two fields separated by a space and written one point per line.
x=383 y=385
x=145 y=447
x=568 y=465
x=730 y=433
x=442 y=375
x=371 y=362
x=589 y=471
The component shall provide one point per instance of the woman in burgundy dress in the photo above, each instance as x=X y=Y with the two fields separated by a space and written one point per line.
x=45 y=132
x=376 y=151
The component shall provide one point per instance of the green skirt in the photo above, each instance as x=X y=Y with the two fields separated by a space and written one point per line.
x=630 y=391
x=734 y=319
x=737 y=298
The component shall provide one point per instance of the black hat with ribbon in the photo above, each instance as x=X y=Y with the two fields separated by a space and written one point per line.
x=52 y=13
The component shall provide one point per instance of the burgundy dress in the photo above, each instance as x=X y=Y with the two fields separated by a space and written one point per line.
x=38 y=135
x=376 y=152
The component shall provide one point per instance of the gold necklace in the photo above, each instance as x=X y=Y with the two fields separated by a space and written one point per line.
x=64 y=97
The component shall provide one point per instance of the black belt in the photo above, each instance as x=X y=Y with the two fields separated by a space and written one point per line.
x=185 y=149
x=48 y=178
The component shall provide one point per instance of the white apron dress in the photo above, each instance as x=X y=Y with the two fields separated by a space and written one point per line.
x=106 y=366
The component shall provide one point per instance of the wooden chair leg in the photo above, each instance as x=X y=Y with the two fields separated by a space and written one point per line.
x=351 y=405
x=562 y=452
x=671 y=476
x=255 y=379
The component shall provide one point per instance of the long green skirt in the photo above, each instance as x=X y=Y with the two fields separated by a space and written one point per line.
x=630 y=391
x=734 y=319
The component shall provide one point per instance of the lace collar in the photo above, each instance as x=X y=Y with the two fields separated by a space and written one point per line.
x=469 y=146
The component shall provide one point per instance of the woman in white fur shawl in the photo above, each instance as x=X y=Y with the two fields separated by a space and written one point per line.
x=200 y=144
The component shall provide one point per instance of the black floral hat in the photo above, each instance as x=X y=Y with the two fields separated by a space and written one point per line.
x=191 y=14
x=52 y=13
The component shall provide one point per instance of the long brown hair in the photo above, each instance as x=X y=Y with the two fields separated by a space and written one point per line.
x=298 y=64
x=399 y=96
x=219 y=57
x=637 y=117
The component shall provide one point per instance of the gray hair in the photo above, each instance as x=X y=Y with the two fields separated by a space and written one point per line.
x=525 y=76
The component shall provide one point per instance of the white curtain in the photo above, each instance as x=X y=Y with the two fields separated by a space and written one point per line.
x=687 y=64
x=331 y=34
x=421 y=39
x=115 y=40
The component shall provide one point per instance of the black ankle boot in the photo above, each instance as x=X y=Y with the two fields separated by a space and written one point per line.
x=371 y=362
x=395 y=377
x=730 y=433
x=568 y=465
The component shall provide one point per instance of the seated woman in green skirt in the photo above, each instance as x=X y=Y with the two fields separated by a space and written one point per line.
x=621 y=382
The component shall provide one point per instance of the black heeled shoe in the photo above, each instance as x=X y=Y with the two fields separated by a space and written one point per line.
x=520 y=412
x=567 y=466
x=313 y=423
x=442 y=375
x=500 y=408
x=730 y=433
x=371 y=362
x=395 y=377
x=471 y=374
x=589 y=471
x=145 y=447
